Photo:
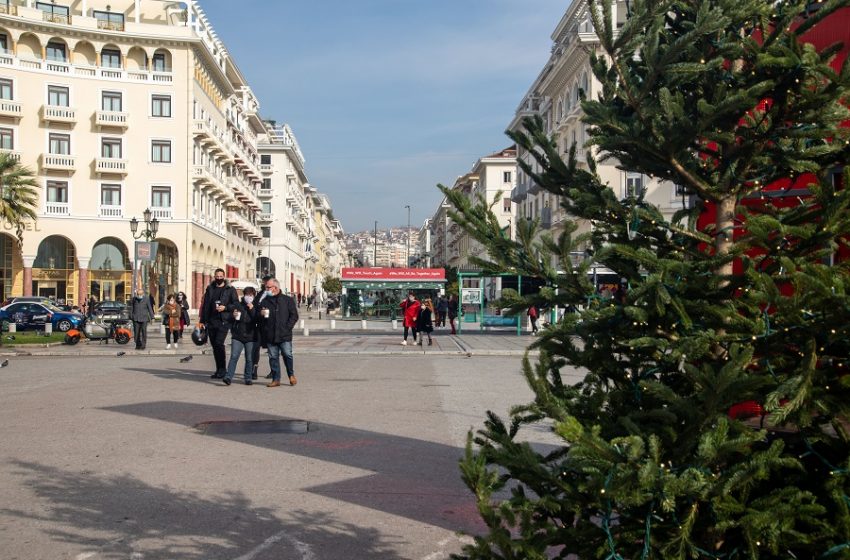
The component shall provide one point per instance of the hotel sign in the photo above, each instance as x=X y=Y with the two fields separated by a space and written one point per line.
x=146 y=250
x=394 y=274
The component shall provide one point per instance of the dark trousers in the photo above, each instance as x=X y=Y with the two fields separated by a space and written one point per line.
x=140 y=333
x=175 y=334
x=217 y=334
x=452 y=323
x=412 y=329
x=533 y=324
x=255 y=354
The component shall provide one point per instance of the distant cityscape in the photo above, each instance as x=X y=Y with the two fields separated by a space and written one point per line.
x=395 y=247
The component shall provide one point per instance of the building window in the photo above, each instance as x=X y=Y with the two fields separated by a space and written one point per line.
x=60 y=144
x=267 y=184
x=267 y=232
x=109 y=20
x=265 y=159
x=110 y=195
x=267 y=207
x=161 y=197
x=111 y=101
x=7 y=139
x=57 y=191
x=56 y=52
x=7 y=89
x=111 y=148
x=110 y=58
x=54 y=13
x=4 y=41
x=634 y=184
x=506 y=204
x=58 y=96
x=161 y=105
x=680 y=190
x=161 y=151
x=507 y=176
x=159 y=63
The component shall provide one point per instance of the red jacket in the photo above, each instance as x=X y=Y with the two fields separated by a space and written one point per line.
x=411 y=312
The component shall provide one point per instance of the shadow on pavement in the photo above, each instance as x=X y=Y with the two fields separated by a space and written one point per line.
x=416 y=479
x=124 y=517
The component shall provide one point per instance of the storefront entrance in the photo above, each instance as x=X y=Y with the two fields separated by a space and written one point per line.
x=110 y=270
x=54 y=272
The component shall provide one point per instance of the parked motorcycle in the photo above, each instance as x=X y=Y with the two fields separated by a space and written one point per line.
x=102 y=331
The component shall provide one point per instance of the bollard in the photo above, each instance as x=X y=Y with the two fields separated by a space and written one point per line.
x=395 y=324
x=306 y=331
x=48 y=329
x=13 y=327
x=333 y=324
x=302 y=323
x=363 y=324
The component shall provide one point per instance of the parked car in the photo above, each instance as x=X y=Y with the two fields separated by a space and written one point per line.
x=32 y=299
x=32 y=315
x=108 y=309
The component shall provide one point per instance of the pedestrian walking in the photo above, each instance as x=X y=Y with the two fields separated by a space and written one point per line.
x=141 y=313
x=452 y=312
x=216 y=320
x=171 y=313
x=259 y=342
x=278 y=316
x=410 y=307
x=425 y=323
x=442 y=311
x=242 y=330
x=533 y=314
x=183 y=302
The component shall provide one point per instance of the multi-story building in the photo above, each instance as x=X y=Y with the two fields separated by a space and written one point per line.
x=555 y=96
x=496 y=175
x=119 y=106
x=289 y=223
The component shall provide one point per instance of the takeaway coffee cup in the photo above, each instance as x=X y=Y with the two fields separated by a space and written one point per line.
x=266 y=312
x=237 y=315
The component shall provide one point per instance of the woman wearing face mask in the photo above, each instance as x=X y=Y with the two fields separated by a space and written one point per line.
x=171 y=312
x=242 y=330
x=411 y=313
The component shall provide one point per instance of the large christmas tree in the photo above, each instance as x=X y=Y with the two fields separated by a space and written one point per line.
x=711 y=421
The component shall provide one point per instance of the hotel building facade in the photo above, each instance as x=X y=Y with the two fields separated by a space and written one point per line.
x=123 y=106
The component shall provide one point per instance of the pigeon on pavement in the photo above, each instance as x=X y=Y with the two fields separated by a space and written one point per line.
x=5 y=363
x=186 y=359
x=119 y=354
x=10 y=337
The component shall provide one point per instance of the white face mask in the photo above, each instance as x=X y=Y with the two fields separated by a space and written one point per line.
x=249 y=299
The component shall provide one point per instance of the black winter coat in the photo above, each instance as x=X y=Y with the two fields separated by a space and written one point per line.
x=425 y=323
x=283 y=315
x=227 y=296
x=245 y=328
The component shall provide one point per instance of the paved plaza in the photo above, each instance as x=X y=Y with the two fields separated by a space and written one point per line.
x=143 y=457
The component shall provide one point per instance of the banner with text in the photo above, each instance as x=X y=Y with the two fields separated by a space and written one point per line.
x=395 y=274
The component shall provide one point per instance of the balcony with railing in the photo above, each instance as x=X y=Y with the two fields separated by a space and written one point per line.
x=53 y=113
x=11 y=153
x=265 y=193
x=111 y=118
x=162 y=213
x=59 y=162
x=266 y=168
x=8 y=9
x=10 y=108
x=110 y=211
x=110 y=165
x=265 y=217
x=57 y=209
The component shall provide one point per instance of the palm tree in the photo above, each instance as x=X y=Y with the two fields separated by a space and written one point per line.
x=19 y=196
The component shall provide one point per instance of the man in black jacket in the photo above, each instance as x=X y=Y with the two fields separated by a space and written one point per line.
x=214 y=316
x=278 y=316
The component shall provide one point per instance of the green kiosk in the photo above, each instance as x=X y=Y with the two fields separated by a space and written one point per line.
x=375 y=293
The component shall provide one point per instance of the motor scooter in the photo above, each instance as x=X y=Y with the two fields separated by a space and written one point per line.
x=102 y=331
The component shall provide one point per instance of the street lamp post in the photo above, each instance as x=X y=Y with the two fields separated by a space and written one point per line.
x=445 y=208
x=408 y=233
x=150 y=231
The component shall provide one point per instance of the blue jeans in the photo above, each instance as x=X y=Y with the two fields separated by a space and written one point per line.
x=236 y=347
x=274 y=359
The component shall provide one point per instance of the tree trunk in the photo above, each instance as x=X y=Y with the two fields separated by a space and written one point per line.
x=725 y=231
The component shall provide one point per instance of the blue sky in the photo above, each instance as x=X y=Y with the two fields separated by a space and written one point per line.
x=388 y=97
